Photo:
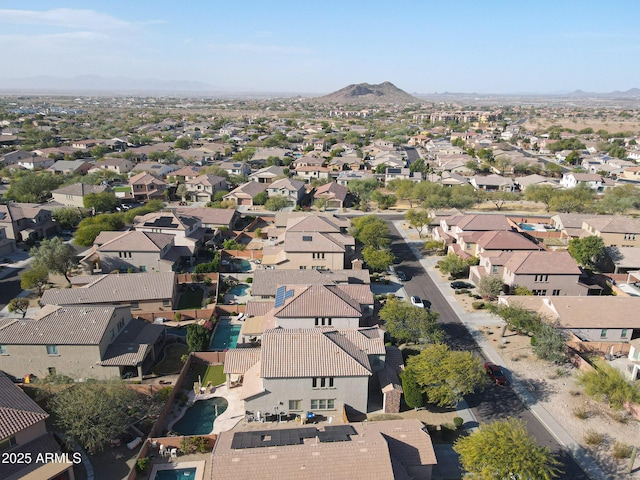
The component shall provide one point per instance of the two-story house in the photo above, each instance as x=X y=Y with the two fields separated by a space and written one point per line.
x=145 y=187
x=81 y=341
x=73 y=195
x=335 y=195
x=26 y=220
x=23 y=435
x=591 y=180
x=474 y=244
x=451 y=227
x=121 y=166
x=70 y=167
x=236 y=168
x=203 y=187
x=332 y=369
x=243 y=194
x=267 y=174
x=292 y=190
x=186 y=229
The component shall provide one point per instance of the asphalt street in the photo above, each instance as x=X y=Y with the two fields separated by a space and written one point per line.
x=495 y=402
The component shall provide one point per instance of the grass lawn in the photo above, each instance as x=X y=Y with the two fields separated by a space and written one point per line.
x=190 y=299
x=122 y=189
x=208 y=374
x=171 y=362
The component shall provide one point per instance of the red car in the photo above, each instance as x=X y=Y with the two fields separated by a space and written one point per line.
x=496 y=374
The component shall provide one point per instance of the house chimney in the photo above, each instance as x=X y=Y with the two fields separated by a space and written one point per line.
x=356 y=264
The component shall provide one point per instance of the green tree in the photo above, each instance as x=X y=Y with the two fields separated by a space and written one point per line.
x=408 y=323
x=260 y=198
x=150 y=207
x=550 y=344
x=587 y=251
x=418 y=219
x=99 y=151
x=413 y=397
x=277 y=202
x=182 y=191
x=376 y=259
x=363 y=189
x=540 y=193
x=66 y=217
x=94 y=413
x=54 y=255
x=231 y=244
x=90 y=227
x=607 y=384
x=35 y=277
x=444 y=375
x=518 y=318
x=371 y=231
x=183 y=143
x=101 y=202
x=504 y=449
x=490 y=287
x=573 y=158
x=575 y=200
x=454 y=266
x=499 y=198
x=197 y=338
x=619 y=200
x=33 y=187
x=502 y=163
x=553 y=169
x=19 y=305
x=403 y=189
x=383 y=200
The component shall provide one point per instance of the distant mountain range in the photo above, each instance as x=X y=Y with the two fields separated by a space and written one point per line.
x=631 y=93
x=366 y=94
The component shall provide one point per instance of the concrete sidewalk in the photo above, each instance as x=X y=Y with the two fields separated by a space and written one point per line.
x=472 y=321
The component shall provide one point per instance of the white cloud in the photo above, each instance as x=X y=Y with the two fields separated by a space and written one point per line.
x=259 y=48
x=64 y=17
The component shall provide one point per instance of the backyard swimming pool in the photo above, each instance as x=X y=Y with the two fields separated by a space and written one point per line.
x=241 y=265
x=199 y=418
x=239 y=290
x=176 y=474
x=225 y=336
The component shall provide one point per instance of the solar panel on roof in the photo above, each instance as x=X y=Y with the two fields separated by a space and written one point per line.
x=307 y=238
x=272 y=438
x=280 y=293
x=288 y=293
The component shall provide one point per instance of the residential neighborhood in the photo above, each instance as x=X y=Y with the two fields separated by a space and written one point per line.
x=272 y=279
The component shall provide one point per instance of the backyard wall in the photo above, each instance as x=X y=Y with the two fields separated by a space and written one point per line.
x=579 y=362
x=190 y=314
x=230 y=309
x=602 y=347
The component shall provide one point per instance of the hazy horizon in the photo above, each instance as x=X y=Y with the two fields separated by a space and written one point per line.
x=285 y=47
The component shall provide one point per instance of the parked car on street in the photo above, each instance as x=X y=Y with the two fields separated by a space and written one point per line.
x=416 y=301
x=401 y=275
x=496 y=374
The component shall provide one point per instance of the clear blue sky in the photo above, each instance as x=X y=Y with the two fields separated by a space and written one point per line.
x=421 y=46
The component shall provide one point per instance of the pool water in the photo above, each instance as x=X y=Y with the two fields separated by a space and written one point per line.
x=239 y=290
x=177 y=474
x=241 y=265
x=226 y=336
x=526 y=226
x=199 y=417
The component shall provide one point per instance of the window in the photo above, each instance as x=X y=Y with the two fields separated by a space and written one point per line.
x=7 y=443
x=541 y=293
x=3 y=349
x=295 y=404
x=303 y=267
x=52 y=349
x=494 y=269
x=318 y=255
x=323 y=322
x=143 y=268
x=556 y=293
x=322 y=382
x=623 y=334
x=323 y=404
x=120 y=324
x=166 y=303
x=603 y=333
x=135 y=305
x=542 y=278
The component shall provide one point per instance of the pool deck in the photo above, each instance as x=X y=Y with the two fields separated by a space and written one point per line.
x=199 y=466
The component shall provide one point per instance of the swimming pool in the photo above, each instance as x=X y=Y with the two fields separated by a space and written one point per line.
x=527 y=226
x=239 y=290
x=199 y=417
x=241 y=265
x=225 y=336
x=176 y=474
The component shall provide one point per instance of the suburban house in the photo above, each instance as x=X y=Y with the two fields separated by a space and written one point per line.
x=12 y=158
x=81 y=341
x=348 y=175
x=36 y=162
x=73 y=195
x=149 y=291
x=132 y=251
x=453 y=226
x=401 y=173
x=187 y=230
x=332 y=370
x=570 y=224
x=184 y=174
x=212 y=218
x=313 y=172
x=145 y=187
x=267 y=174
x=474 y=244
x=236 y=168
x=23 y=432
x=534 y=179
x=121 y=166
x=71 y=167
x=243 y=194
x=159 y=170
x=266 y=282
x=493 y=183
x=309 y=242
x=333 y=193
x=592 y=323
x=358 y=451
x=26 y=220
x=553 y=273
x=292 y=190
x=591 y=180
x=615 y=231
x=203 y=187
x=7 y=245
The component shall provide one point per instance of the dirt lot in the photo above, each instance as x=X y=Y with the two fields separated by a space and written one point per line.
x=556 y=389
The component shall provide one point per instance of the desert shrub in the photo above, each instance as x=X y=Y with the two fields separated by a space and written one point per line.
x=593 y=438
x=143 y=464
x=458 y=422
x=478 y=305
x=580 y=412
x=621 y=450
x=620 y=416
